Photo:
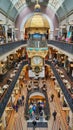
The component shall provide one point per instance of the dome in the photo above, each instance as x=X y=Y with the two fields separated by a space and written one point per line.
x=37 y=21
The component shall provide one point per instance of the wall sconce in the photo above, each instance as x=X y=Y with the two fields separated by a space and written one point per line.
x=57 y=29
x=2 y=22
x=71 y=22
x=63 y=26
x=16 y=29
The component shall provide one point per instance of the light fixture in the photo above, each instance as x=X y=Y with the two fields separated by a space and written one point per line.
x=22 y=30
x=71 y=22
x=16 y=29
x=2 y=22
x=70 y=59
x=32 y=0
x=63 y=26
x=41 y=0
x=57 y=29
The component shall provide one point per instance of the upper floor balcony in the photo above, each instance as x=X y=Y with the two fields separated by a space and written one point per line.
x=37 y=45
x=9 y=88
x=66 y=47
x=5 y=48
x=65 y=90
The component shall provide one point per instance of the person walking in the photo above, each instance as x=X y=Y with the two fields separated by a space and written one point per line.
x=54 y=114
x=52 y=97
x=22 y=99
x=34 y=124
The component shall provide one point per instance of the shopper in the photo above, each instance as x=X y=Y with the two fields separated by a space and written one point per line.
x=34 y=124
x=54 y=114
x=22 y=99
x=52 y=97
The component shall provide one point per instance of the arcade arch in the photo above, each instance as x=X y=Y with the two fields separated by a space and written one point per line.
x=22 y=30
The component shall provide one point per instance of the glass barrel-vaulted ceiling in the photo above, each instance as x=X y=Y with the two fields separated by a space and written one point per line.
x=13 y=7
x=55 y=4
x=18 y=3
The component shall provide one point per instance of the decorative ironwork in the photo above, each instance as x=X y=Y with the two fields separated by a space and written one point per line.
x=64 y=46
x=5 y=48
x=62 y=85
x=5 y=99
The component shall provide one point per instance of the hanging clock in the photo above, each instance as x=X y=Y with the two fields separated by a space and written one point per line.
x=36 y=60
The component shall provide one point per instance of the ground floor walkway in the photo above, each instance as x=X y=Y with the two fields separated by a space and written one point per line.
x=18 y=122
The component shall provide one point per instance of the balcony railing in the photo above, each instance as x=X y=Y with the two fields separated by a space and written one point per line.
x=68 y=47
x=36 y=44
x=7 y=95
x=62 y=85
x=4 y=48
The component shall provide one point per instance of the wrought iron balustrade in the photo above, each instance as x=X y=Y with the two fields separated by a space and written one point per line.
x=7 y=95
x=36 y=43
x=68 y=47
x=4 y=48
x=62 y=85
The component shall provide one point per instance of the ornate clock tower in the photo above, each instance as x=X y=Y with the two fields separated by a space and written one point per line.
x=37 y=48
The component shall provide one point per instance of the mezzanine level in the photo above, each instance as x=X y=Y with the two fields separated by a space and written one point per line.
x=66 y=92
x=8 y=92
x=66 y=48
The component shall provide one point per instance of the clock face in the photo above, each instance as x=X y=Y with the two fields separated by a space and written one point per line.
x=37 y=60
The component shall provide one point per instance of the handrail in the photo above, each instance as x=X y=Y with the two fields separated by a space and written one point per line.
x=5 y=48
x=5 y=99
x=68 y=47
x=39 y=124
x=62 y=85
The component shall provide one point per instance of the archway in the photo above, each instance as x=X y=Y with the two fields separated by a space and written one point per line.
x=37 y=97
x=28 y=16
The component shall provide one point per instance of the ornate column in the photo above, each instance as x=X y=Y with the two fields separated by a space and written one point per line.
x=6 y=28
x=51 y=37
x=13 y=38
x=50 y=54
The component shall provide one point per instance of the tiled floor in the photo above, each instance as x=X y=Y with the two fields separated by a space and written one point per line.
x=19 y=122
x=55 y=105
